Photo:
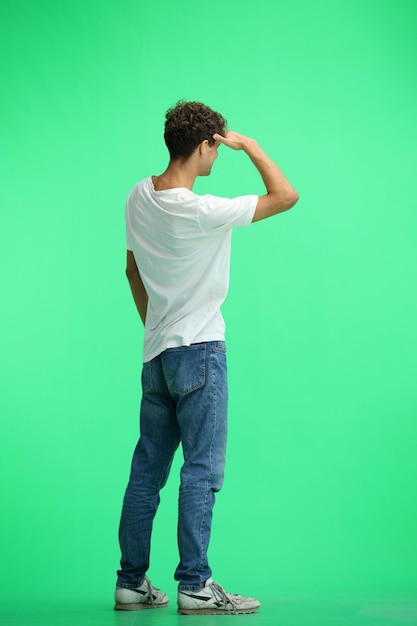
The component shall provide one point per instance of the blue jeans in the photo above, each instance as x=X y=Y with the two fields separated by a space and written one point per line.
x=184 y=399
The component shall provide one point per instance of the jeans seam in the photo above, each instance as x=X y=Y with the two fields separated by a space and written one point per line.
x=213 y=358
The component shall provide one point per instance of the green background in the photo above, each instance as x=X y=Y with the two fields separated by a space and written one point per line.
x=320 y=490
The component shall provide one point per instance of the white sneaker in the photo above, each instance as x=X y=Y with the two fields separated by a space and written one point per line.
x=213 y=599
x=144 y=597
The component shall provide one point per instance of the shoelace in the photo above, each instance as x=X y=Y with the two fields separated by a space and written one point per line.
x=225 y=597
x=150 y=591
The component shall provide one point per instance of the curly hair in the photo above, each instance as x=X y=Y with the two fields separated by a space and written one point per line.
x=187 y=125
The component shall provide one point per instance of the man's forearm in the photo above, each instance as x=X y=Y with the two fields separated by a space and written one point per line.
x=139 y=295
x=280 y=195
x=274 y=180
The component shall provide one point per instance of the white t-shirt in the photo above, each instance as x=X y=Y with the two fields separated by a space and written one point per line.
x=181 y=243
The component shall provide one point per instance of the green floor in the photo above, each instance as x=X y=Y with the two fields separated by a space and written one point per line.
x=386 y=609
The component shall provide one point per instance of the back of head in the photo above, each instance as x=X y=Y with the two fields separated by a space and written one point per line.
x=187 y=125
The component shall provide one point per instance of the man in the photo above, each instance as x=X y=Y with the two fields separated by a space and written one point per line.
x=178 y=268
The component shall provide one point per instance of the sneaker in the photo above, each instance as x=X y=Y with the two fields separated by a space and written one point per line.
x=144 y=597
x=213 y=599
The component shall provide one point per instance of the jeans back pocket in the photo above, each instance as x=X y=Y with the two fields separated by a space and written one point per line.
x=185 y=368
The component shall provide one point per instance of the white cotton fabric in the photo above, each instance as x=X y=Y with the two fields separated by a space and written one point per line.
x=181 y=243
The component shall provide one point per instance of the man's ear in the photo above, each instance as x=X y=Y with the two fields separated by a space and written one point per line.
x=203 y=146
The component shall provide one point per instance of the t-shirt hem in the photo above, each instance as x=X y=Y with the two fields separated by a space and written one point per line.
x=148 y=356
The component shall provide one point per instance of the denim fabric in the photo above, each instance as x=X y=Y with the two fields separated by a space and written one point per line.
x=184 y=399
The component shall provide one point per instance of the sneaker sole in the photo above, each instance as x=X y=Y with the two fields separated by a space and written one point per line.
x=215 y=611
x=138 y=607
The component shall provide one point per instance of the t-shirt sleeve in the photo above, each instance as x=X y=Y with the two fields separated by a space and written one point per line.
x=129 y=245
x=215 y=213
x=129 y=236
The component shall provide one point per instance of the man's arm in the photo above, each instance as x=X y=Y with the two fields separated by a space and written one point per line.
x=136 y=285
x=280 y=195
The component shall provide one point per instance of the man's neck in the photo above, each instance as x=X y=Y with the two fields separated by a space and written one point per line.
x=177 y=174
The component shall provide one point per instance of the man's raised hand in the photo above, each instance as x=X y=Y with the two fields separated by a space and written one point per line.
x=234 y=140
